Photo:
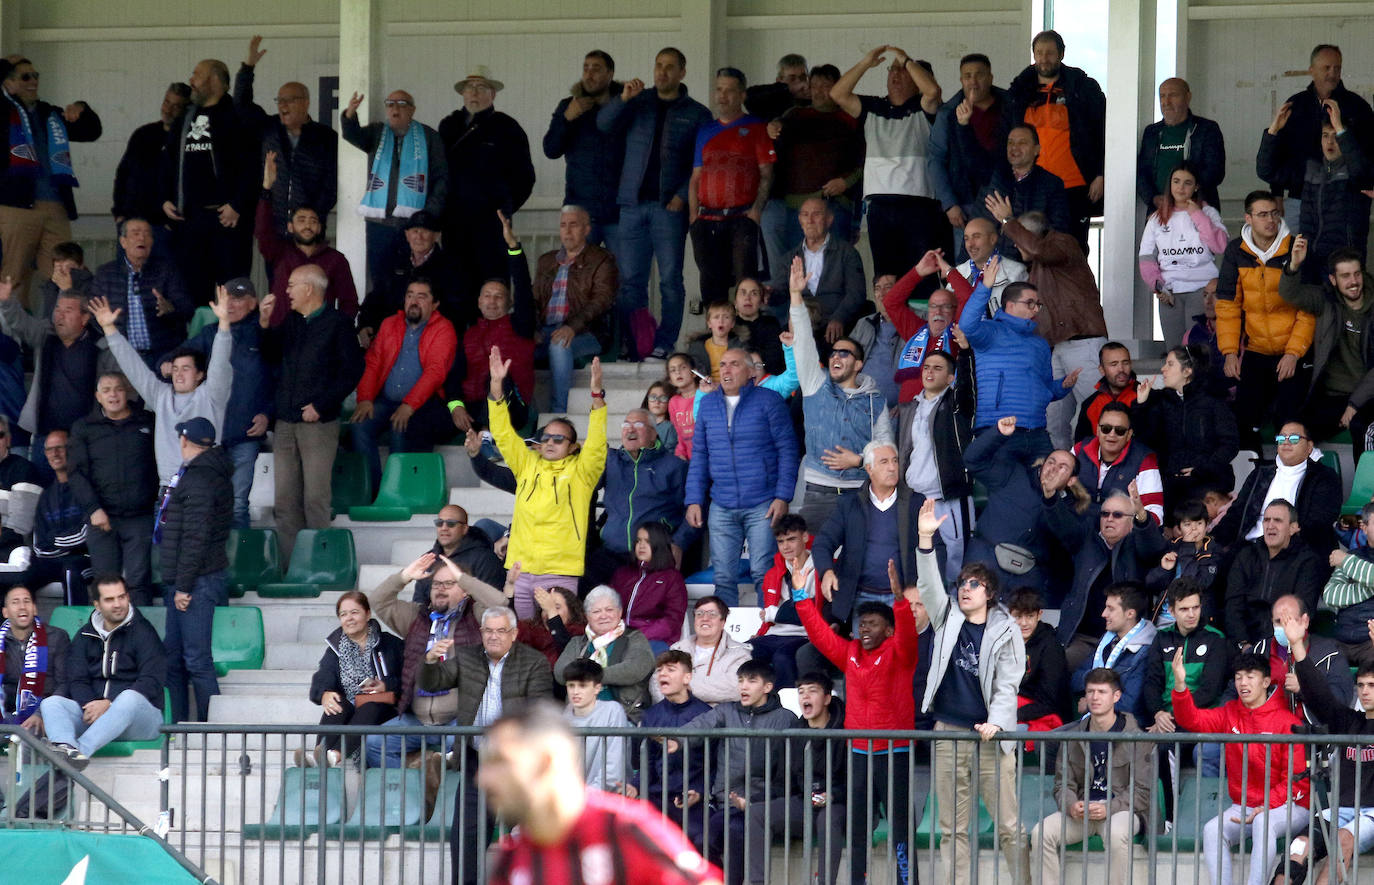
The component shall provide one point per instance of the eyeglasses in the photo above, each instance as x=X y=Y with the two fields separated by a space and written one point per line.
x=656 y=398
x=1113 y=429
x=706 y=614
x=448 y=523
x=495 y=631
x=1031 y=304
x=1115 y=514
x=1274 y=214
x=289 y=99
x=758 y=365
x=1291 y=439
x=553 y=438
x=843 y=353
x=30 y=77
x=443 y=585
x=398 y=103
x=636 y=425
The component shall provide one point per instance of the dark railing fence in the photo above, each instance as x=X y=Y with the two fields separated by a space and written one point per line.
x=235 y=799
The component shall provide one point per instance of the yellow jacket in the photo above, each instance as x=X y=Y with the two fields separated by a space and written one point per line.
x=548 y=533
x=1248 y=302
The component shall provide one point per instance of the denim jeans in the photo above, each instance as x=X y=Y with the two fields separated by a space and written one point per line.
x=384 y=244
x=127 y=547
x=398 y=746
x=188 y=644
x=648 y=232
x=245 y=456
x=729 y=530
x=129 y=718
x=561 y=363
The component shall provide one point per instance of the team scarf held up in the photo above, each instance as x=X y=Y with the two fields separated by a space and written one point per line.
x=24 y=149
x=31 y=681
x=412 y=189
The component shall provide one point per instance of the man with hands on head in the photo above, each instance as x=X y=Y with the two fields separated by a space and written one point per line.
x=904 y=216
x=317 y=351
x=197 y=390
x=744 y=464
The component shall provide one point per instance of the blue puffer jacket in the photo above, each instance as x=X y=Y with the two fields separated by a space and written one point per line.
x=1011 y=365
x=746 y=465
x=634 y=119
x=250 y=393
x=644 y=489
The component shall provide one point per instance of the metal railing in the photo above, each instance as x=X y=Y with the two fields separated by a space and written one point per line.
x=43 y=791
x=236 y=794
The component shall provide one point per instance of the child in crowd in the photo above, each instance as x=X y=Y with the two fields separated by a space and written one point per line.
x=656 y=403
x=1193 y=554
x=709 y=348
x=652 y=589
x=665 y=772
x=781 y=634
x=68 y=273
x=604 y=757
x=682 y=408
x=758 y=330
x=783 y=385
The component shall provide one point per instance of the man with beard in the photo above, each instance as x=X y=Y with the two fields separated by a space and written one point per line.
x=402 y=384
x=1118 y=385
x=208 y=176
x=137 y=188
x=303 y=244
x=964 y=147
x=592 y=156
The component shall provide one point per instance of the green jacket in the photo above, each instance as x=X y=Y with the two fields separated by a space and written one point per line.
x=1206 y=659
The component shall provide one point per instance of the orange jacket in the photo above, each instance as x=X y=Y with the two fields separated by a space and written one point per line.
x=438 y=344
x=1248 y=300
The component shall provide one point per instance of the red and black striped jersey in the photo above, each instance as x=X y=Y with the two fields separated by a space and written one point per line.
x=615 y=841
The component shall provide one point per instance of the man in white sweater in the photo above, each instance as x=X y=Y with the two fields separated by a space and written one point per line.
x=196 y=391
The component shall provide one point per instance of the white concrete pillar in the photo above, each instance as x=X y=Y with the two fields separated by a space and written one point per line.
x=360 y=70
x=1131 y=99
x=704 y=44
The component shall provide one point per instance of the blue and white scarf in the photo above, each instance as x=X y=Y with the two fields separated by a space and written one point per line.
x=414 y=172
x=1110 y=660
x=24 y=150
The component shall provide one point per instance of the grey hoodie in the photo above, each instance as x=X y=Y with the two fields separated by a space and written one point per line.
x=835 y=416
x=207 y=401
x=1001 y=659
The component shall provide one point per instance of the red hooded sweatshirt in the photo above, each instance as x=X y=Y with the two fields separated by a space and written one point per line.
x=1233 y=717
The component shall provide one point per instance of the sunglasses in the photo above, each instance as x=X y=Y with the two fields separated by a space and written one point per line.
x=30 y=77
x=1291 y=439
x=448 y=523
x=553 y=438
x=843 y=353
x=973 y=583
x=1116 y=514
x=1113 y=429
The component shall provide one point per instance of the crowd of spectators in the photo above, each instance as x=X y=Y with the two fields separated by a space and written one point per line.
x=884 y=582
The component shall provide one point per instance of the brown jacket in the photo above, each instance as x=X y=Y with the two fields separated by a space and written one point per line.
x=1072 y=305
x=592 y=283
x=1132 y=778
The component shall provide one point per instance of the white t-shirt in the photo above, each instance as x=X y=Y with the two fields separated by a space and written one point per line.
x=730 y=403
x=1185 y=263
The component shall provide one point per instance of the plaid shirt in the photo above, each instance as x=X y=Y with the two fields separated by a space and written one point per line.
x=138 y=321
x=557 y=310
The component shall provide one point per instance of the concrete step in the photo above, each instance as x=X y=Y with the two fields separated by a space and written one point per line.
x=484 y=501
x=314 y=628
x=281 y=622
x=407 y=550
x=299 y=655
x=262 y=710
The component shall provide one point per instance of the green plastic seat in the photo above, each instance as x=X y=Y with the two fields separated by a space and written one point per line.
x=204 y=316
x=324 y=559
x=352 y=485
x=441 y=818
x=1332 y=460
x=309 y=797
x=412 y=482
x=254 y=559
x=1199 y=800
x=1362 y=488
x=389 y=801
x=237 y=640
x=127 y=748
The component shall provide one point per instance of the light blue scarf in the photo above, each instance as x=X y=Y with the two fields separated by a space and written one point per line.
x=414 y=171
